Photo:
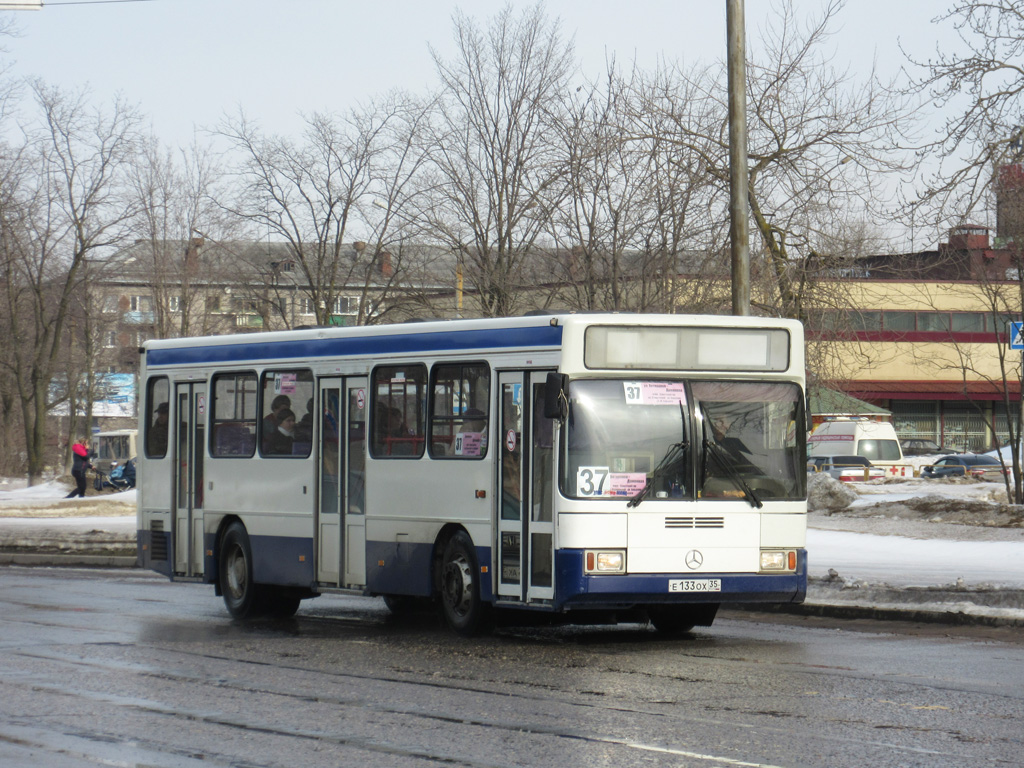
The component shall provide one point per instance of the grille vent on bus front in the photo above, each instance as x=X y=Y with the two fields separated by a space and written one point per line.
x=695 y=522
x=157 y=540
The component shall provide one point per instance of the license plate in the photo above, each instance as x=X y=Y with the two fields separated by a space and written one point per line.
x=695 y=585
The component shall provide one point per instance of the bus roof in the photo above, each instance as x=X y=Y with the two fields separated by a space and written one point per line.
x=541 y=332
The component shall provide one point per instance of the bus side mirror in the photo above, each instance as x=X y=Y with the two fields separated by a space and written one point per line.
x=554 y=396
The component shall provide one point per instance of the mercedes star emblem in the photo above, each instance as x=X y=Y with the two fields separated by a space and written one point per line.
x=694 y=559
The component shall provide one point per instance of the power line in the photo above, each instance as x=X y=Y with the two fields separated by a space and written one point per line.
x=97 y=2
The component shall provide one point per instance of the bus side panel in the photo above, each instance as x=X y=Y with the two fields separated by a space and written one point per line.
x=576 y=590
x=282 y=560
x=154 y=520
x=409 y=501
x=398 y=568
x=153 y=542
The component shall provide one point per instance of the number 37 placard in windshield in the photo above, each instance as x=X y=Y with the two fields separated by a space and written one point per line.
x=654 y=392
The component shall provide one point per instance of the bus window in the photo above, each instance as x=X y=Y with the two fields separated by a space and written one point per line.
x=287 y=400
x=158 y=394
x=233 y=417
x=460 y=410
x=399 y=411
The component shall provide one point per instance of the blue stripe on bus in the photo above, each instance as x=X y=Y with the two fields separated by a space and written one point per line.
x=346 y=346
x=576 y=590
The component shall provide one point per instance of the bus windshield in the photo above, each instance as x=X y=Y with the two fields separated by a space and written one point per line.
x=623 y=437
x=752 y=439
x=634 y=439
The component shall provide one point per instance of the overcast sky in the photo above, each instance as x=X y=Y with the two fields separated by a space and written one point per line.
x=186 y=62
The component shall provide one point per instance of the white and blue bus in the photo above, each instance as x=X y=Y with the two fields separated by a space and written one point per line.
x=599 y=466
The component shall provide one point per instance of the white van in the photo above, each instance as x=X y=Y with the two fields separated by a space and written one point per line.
x=876 y=441
x=113 y=448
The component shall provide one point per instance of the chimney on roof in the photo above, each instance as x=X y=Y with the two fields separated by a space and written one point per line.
x=386 y=268
x=1010 y=202
x=192 y=254
x=968 y=237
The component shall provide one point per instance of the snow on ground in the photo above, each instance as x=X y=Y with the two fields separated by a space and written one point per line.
x=895 y=532
x=48 y=500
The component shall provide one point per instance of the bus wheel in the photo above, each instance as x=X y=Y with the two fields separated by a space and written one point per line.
x=680 y=619
x=236 y=572
x=402 y=605
x=280 y=603
x=460 y=587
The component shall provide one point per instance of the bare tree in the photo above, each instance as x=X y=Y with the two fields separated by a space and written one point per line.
x=986 y=129
x=173 y=193
x=493 y=162
x=820 y=144
x=69 y=208
x=310 y=196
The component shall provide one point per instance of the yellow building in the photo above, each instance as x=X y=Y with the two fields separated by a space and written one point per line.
x=926 y=335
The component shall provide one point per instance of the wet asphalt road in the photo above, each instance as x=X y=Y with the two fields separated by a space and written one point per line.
x=122 y=668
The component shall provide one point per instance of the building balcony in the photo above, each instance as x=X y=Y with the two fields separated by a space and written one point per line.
x=248 y=321
x=138 y=318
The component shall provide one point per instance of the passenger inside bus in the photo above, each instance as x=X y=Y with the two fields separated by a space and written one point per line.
x=157 y=436
x=272 y=419
x=304 y=426
x=279 y=442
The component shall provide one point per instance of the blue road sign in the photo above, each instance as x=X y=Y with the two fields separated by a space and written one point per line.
x=1016 y=337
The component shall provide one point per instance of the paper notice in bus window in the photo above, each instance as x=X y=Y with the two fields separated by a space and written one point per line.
x=654 y=392
x=598 y=481
x=626 y=483
x=469 y=443
x=285 y=384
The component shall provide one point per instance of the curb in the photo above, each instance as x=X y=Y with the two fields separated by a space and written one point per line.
x=952 y=616
x=68 y=560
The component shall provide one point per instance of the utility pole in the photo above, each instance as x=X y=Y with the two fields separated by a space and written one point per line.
x=739 y=227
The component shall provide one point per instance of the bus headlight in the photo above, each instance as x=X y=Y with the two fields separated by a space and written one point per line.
x=606 y=561
x=778 y=560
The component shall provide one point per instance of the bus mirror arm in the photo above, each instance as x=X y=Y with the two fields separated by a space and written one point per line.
x=555 y=404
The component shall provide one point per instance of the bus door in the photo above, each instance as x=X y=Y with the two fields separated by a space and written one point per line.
x=340 y=518
x=525 y=521
x=189 y=448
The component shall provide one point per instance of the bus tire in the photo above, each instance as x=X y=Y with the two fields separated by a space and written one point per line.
x=281 y=603
x=680 y=619
x=235 y=573
x=403 y=605
x=460 y=587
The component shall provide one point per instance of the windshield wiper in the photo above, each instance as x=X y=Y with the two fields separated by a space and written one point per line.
x=726 y=461
x=674 y=450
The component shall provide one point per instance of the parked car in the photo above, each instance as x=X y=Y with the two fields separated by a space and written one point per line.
x=965 y=465
x=916 y=447
x=846 y=469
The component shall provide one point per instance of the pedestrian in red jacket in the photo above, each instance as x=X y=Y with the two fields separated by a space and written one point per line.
x=80 y=452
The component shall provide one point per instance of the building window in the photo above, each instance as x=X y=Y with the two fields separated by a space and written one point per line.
x=213 y=303
x=174 y=303
x=933 y=321
x=899 y=321
x=110 y=339
x=968 y=322
x=345 y=305
x=140 y=304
